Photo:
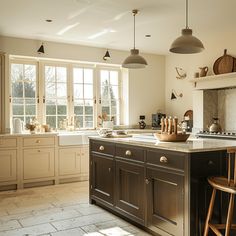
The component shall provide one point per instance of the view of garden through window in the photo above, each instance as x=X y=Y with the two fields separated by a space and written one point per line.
x=73 y=101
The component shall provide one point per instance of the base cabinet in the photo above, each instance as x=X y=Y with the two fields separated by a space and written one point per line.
x=129 y=194
x=38 y=163
x=165 y=207
x=7 y=165
x=103 y=178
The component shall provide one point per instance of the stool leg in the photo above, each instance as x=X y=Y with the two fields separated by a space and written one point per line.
x=210 y=210
x=230 y=215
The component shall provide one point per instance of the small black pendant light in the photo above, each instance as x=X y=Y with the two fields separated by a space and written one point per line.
x=186 y=43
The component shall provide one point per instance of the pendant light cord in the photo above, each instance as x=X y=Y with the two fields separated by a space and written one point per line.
x=134 y=27
x=186 y=14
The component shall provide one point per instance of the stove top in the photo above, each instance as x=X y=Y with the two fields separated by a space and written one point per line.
x=222 y=135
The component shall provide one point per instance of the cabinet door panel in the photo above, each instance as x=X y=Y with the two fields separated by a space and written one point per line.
x=102 y=176
x=69 y=161
x=38 y=163
x=7 y=165
x=84 y=160
x=130 y=188
x=165 y=201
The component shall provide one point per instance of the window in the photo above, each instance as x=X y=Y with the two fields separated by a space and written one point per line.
x=83 y=97
x=110 y=99
x=23 y=91
x=55 y=95
x=62 y=94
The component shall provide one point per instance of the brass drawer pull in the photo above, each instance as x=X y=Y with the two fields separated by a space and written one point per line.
x=163 y=159
x=109 y=169
x=101 y=148
x=147 y=181
x=37 y=141
x=128 y=153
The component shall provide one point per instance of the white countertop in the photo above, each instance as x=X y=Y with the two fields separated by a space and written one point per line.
x=191 y=145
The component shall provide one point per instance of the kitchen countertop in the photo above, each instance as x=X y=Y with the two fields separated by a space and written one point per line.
x=192 y=145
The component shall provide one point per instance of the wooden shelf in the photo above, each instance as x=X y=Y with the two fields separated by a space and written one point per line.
x=215 y=81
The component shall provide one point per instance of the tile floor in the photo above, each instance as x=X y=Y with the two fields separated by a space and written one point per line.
x=59 y=210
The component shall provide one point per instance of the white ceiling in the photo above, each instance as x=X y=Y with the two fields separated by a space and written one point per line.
x=109 y=23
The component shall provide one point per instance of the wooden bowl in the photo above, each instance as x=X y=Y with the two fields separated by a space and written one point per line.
x=171 y=137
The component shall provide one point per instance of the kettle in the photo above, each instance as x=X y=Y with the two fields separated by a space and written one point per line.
x=17 y=126
x=215 y=126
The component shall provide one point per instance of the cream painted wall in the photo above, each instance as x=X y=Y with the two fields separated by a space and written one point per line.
x=215 y=45
x=146 y=87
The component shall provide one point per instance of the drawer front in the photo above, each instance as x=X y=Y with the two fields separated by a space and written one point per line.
x=206 y=164
x=166 y=159
x=130 y=152
x=103 y=147
x=8 y=142
x=38 y=141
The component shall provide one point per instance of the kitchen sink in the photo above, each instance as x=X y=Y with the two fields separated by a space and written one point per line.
x=75 y=138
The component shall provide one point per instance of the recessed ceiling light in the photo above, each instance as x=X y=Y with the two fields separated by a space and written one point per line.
x=148 y=35
x=48 y=20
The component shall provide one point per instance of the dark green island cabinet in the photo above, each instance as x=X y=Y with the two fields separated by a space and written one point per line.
x=162 y=190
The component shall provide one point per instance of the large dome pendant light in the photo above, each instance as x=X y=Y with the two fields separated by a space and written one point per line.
x=134 y=61
x=186 y=43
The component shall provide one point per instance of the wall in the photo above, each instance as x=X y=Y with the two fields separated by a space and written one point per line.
x=145 y=86
x=214 y=48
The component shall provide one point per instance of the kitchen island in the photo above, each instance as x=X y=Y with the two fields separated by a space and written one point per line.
x=159 y=186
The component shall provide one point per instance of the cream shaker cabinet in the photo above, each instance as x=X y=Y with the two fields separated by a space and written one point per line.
x=38 y=163
x=8 y=159
x=38 y=157
x=73 y=161
x=7 y=165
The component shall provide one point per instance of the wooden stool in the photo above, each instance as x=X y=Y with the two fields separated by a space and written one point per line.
x=227 y=185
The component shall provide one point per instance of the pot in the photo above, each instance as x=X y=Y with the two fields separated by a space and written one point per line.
x=215 y=126
x=203 y=71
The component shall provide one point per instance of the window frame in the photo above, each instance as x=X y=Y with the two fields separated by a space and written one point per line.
x=69 y=65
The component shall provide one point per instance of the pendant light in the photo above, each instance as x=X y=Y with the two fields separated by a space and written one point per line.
x=41 y=49
x=134 y=61
x=107 y=56
x=186 y=43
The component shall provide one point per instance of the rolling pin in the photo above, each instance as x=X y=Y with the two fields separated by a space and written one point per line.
x=175 y=121
x=166 y=125
x=162 y=125
x=170 y=121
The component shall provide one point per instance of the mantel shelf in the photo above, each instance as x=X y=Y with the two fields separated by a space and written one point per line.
x=215 y=81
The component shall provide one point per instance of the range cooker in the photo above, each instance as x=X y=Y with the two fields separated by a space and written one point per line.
x=220 y=135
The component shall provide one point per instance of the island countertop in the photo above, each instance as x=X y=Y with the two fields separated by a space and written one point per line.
x=192 y=145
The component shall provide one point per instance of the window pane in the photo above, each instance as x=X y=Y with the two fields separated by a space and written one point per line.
x=104 y=77
x=60 y=120
x=61 y=90
x=78 y=91
x=88 y=121
x=51 y=109
x=114 y=92
x=16 y=72
x=17 y=89
x=78 y=75
x=114 y=77
x=30 y=73
x=17 y=101
x=61 y=109
x=51 y=120
x=88 y=76
x=61 y=74
x=105 y=93
x=18 y=109
x=30 y=110
x=88 y=110
x=30 y=89
x=88 y=91
x=106 y=110
x=49 y=74
x=50 y=90
x=78 y=110
x=79 y=121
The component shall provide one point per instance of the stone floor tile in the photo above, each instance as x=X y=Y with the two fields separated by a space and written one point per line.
x=49 y=217
x=82 y=221
x=9 y=225
x=69 y=232
x=87 y=209
x=32 y=231
x=15 y=217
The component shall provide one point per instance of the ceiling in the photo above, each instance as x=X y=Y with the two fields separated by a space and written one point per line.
x=109 y=23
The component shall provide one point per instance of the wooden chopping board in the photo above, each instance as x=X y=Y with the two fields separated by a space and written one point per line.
x=224 y=64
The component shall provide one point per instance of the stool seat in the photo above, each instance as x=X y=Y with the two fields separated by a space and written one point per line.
x=221 y=183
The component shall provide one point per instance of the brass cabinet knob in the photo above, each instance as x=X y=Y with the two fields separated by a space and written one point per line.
x=147 y=181
x=109 y=169
x=128 y=153
x=163 y=159
x=101 y=148
x=37 y=141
